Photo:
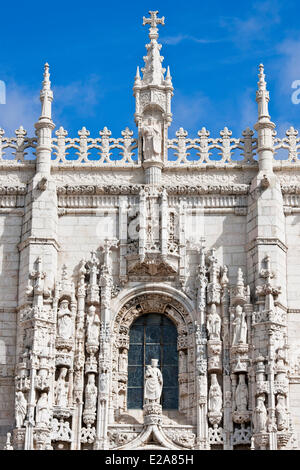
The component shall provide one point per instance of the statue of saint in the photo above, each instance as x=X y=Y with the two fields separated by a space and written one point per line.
x=260 y=415
x=123 y=361
x=20 y=409
x=42 y=411
x=93 y=326
x=64 y=320
x=241 y=394
x=213 y=324
x=182 y=361
x=281 y=414
x=61 y=390
x=103 y=382
x=239 y=327
x=215 y=395
x=91 y=393
x=153 y=383
x=151 y=140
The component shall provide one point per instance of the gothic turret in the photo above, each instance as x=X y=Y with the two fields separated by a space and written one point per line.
x=153 y=105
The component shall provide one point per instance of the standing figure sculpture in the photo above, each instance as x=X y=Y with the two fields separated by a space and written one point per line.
x=260 y=416
x=42 y=411
x=241 y=394
x=64 y=320
x=213 y=324
x=153 y=383
x=61 y=390
x=90 y=394
x=215 y=395
x=281 y=414
x=20 y=409
x=93 y=326
x=151 y=140
x=239 y=327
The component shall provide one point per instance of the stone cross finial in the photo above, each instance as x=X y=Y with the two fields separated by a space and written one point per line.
x=153 y=21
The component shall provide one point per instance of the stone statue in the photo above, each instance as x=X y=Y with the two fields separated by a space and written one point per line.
x=281 y=414
x=93 y=326
x=260 y=415
x=213 y=324
x=182 y=361
x=20 y=409
x=239 y=327
x=241 y=394
x=64 y=320
x=90 y=393
x=215 y=395
x=61 y=390
x=123 y=361
x=153 y=383
x=42 y=411
x=151 y=140
x=103 y=382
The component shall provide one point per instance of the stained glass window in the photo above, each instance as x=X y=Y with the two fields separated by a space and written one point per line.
x=153 y=336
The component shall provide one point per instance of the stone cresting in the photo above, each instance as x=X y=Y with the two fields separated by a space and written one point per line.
x=97 y=232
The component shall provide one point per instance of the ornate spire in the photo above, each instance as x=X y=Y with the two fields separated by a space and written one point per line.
x=46 y=95
x=264 y=126
x=153 y=72
x=262 y=96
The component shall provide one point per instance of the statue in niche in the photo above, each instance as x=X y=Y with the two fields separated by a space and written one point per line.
x=214 y=395
x=182 y=361
x=241 y=394
x=281 y=414
x=123 y=361
x=90 y=393
x=42 y=411
x=103 y=382
x=64 y=320
x=151 y=134
x=61 y=389
x=239 y=327
x=213 y=324
x=153 y=383
x=20 y=409
x=93 y=326
x=260 y=415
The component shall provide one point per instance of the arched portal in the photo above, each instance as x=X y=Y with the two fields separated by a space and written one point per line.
x=152 y=336
x=135 y=309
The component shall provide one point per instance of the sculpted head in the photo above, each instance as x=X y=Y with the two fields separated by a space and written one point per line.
x=238 y=309
x=213 y=309
x=154 y=362
x=64 y=304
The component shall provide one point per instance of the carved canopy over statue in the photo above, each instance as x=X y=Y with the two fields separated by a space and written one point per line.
x=151 y=134
x=153 y=383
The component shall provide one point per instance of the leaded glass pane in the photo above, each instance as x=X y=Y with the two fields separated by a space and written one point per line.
x=153 y=336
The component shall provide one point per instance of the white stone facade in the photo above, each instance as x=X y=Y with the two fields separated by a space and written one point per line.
x=89 y=245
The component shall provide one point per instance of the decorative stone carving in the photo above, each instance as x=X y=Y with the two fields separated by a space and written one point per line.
x=151 y=140
x=64 y=321
x=61 y=389
x=260 y=415
x=239 y=325
x=153 y=383
x=42 y=411
x=215 y=401
x=281 y=414
x=213 y=324
x=20 y=409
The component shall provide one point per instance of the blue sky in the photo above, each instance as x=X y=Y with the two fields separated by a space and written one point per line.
x=213 y=49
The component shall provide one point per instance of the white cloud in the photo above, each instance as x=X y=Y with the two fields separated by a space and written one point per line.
x=174 y=40
x=22 y=108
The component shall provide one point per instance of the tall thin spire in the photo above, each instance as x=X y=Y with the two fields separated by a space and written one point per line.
x=44 y=126
x=262 y=96
x=264 y=126
x=46 y=95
